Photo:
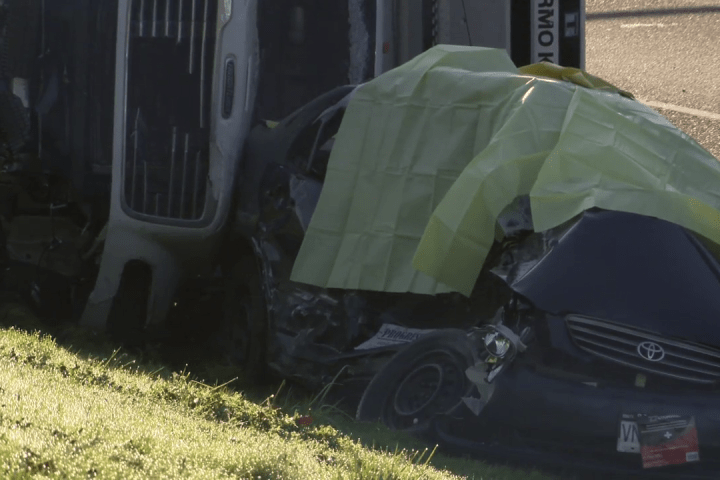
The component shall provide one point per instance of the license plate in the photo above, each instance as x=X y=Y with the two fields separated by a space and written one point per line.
x=628 y=437
x=661 y=440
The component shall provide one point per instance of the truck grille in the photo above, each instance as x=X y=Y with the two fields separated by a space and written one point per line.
x=169 y=83
x=677 y=359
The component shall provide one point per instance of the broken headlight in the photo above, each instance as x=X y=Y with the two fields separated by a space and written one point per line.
x=496 y=344
x=499 y=342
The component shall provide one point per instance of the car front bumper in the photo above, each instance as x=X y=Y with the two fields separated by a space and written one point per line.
x=545 y=420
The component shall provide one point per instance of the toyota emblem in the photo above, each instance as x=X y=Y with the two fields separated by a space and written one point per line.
x=651 y=351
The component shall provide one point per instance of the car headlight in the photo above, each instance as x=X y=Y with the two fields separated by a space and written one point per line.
x=496 y=344
x=499 y=342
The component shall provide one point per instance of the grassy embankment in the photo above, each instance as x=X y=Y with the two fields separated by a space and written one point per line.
x=92 y=412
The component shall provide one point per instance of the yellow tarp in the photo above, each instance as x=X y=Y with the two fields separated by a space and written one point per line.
x=430 y=153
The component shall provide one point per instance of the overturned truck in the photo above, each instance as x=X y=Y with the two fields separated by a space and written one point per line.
x=123 y=124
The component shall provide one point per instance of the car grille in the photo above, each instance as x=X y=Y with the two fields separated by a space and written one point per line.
x=169 y=82
x=682 y=360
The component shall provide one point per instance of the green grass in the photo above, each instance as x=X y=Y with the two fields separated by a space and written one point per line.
x=100 y=413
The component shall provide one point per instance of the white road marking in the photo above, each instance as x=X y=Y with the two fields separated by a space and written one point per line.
x=681 y=109
x=648 y=25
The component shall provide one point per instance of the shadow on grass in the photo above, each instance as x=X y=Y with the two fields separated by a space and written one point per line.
x=196 y=363
x=162 y=356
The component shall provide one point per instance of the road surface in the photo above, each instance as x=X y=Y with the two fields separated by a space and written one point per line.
x=667 y=53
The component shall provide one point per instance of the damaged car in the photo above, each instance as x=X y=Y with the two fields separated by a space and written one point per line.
x=586 y=332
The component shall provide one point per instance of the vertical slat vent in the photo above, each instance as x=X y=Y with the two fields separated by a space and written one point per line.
x=170 y=60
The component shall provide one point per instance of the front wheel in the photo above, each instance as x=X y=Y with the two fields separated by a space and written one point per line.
x=424 y=380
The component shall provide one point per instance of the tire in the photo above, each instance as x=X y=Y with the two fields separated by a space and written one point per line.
x=424 y=380
x=244 y=332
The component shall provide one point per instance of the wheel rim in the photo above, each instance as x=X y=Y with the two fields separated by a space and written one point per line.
x=434 y=385
x=418 y=390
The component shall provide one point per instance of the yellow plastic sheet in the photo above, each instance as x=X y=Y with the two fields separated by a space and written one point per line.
x=430 y=153
x=570 y=74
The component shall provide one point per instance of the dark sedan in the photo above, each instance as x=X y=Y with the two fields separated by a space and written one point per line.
x=596 y=340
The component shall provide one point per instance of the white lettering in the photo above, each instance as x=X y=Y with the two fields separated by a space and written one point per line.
x=392 y=335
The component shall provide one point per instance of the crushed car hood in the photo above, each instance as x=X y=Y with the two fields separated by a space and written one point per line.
x=429 y=154
x=621 y=267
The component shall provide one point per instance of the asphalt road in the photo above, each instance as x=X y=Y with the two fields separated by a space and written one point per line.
x=667 y=53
